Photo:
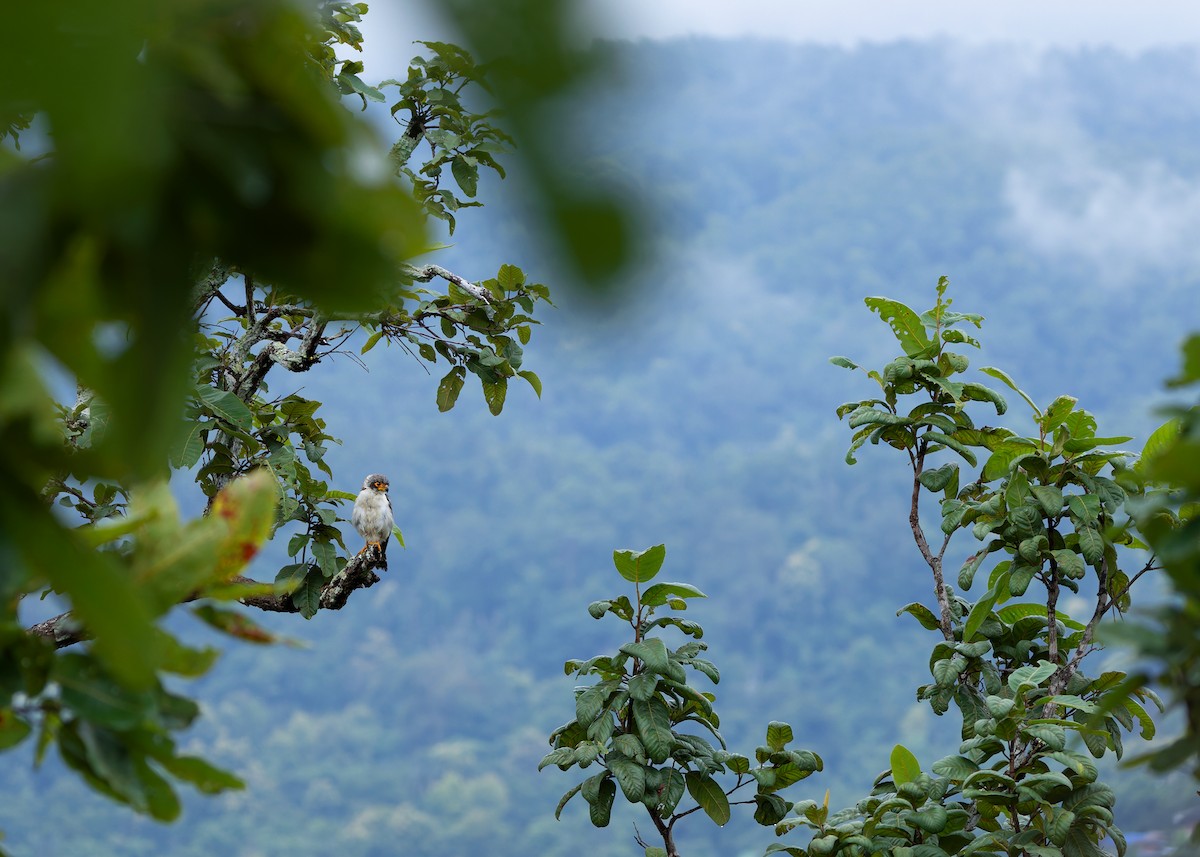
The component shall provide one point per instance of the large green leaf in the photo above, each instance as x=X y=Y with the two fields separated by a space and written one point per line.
x=449 y=388
x=905 y=324
x=660 y=593
x=922 y=614
x=905 y=767
x=1001 y=375
x=978 y=615
x=91 y=693
x=640 y=566
x=1005 y=455
x=653 y=722
x=1091 y=544
x=779 y=735
x=652 y=652
x=103 y=596
x=630 y=775
x=227 y=406
x=600 y=810
x=708 y=794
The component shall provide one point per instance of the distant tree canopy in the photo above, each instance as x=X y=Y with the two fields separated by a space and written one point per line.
x=192 y=214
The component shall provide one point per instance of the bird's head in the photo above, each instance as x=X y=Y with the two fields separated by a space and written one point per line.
x=376 y=482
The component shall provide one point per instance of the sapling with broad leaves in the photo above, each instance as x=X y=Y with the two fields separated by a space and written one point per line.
x=1046 y=514
x=651 y=733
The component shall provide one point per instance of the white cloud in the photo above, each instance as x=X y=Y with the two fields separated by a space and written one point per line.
x=1122 y=220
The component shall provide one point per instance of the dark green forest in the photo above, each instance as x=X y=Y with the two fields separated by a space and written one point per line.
x=779 y=185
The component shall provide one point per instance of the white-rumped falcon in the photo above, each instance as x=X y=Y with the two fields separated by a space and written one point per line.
x=372 y=515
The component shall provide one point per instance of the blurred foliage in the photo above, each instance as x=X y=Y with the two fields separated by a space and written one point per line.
x=1166 y=636
x=207 y=212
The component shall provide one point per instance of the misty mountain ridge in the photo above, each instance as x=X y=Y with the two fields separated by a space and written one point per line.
x=780 y=185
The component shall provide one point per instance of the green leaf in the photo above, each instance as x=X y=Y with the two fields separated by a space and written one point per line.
x=466 y=174
x=1001 y=460
x=563 y=800
x=630 y=775
x=905 y=324
x=510 y=277
x=234 y=623
x=652 y=652
x=1000 y=375
x=955 y=767
x=1091 y=544
x=371 y=342
x=966 y=574
x=1143 y=718
x=980 y=393
x=952 y=443
x=449 y=388
x=1070 y=564
x=560 y=756
x=13 y=728
x=307 y=595
x=643 y=685
x=1049 y=498
x=708 y=794
x=204 y=776
x=770 y=809
x=494 y=393
x=227 y=406
x=1058 y=411
x=189 y=445
x=1085 y=508
x=937 y=479
x=905 y=767
x=659 y=593
x=875 y=416
x=779 y=735
x=639 y=566
x=1030 y=675
x=533 y=379
x=86 y=689
x=844 y=362
x=653 y=722
x=931 y=819
x=600 y=811
x=923 y=615
x=978 y=615
x=590 y=703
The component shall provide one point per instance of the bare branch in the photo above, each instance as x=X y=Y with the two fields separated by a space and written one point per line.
x=427 y=272
x=934 y=561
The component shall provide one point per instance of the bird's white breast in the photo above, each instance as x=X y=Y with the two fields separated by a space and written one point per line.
x=372 y=514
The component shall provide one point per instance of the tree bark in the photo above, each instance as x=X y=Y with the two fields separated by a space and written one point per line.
x=64 y=630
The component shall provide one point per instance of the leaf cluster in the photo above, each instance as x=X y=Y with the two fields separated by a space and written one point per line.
x=460 y=139
x=633 y=722
x=1049 y=508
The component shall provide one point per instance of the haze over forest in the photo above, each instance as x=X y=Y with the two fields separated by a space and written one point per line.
x=780 y=184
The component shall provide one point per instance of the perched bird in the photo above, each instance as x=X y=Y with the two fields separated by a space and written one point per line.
x=372 y=515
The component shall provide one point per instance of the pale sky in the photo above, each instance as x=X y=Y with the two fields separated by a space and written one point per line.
x=1131 y=25
x=1128 y=24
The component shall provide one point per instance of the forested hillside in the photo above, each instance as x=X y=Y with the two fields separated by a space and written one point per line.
x=781 y=185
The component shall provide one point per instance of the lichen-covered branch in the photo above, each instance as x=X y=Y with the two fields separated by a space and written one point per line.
x=65 y=630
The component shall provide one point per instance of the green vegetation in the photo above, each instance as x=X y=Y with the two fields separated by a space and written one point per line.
x=784 y=184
